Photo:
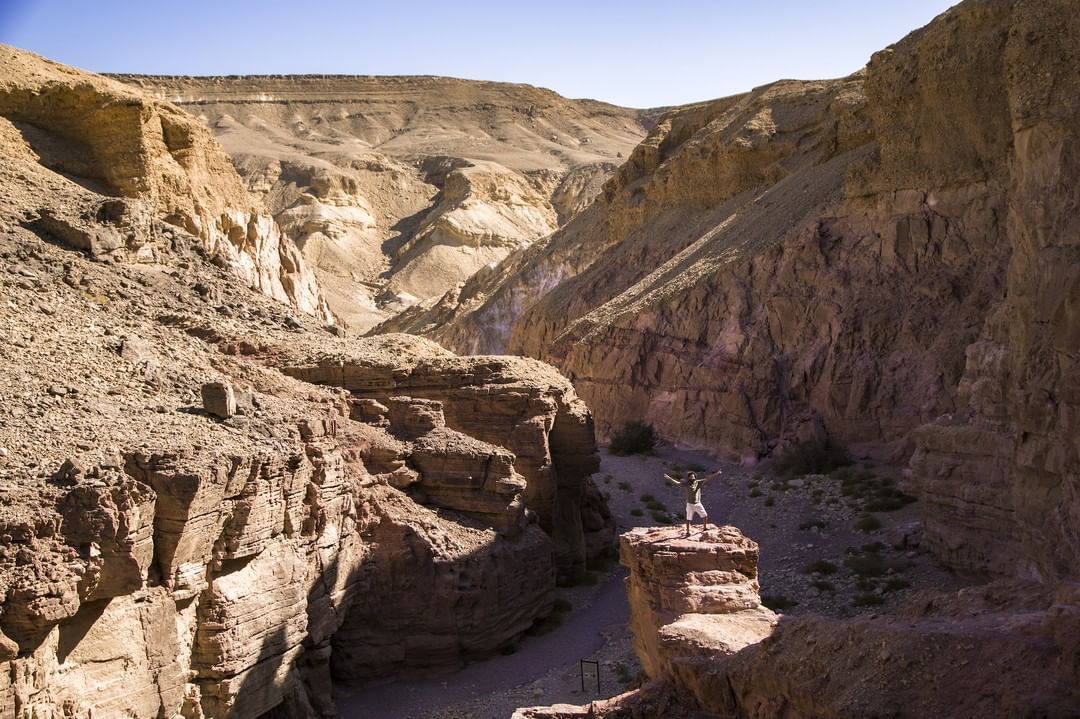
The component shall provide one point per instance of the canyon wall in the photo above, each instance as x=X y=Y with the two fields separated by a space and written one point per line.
x=886 y=260
x=1008 y=460
x=186 y=529
x=398 y=189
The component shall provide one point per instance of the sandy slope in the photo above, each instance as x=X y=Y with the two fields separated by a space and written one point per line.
x=399 y=188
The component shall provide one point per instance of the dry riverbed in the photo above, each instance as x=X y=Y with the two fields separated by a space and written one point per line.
x=822 y=551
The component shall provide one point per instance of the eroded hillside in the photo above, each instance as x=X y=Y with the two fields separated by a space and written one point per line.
x=212 y=504
x=398 y=189
x=850 y=259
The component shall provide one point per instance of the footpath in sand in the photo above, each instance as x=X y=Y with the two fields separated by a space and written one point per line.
x=813 y=559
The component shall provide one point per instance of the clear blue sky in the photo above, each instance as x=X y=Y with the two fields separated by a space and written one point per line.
x=630 y=52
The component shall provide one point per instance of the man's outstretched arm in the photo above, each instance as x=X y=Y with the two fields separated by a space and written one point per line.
x=713 y=476
x=671 y=479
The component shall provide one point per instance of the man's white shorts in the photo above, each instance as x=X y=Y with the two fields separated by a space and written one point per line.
x=698 y=509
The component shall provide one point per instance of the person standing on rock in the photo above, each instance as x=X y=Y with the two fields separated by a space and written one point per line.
x=692 y=486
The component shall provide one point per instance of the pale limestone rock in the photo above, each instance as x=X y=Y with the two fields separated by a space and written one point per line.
x=163 y=159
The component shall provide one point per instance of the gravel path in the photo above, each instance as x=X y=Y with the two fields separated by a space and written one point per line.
x=581 y=636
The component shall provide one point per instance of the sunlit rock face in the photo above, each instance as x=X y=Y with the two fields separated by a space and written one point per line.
x=185 y=529
x=116 y=141
x=398 y=189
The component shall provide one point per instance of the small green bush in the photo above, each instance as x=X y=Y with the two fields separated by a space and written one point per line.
x=812 y=523
x=822 y=585
x=872 y=493
x=622 y=673
x=656 y=506
x=777 y=602
x=895 y=584
x=770 y=501
x=867 y=599
x=509 y=648
x=695 y=467
x=821 y=566
x=810 y=458
x=660 y=517
x=755 y=492
x=625 y=486
x=868 y=523
x=634 y=438
x=636 y=511
x=869 y=565
x=647 y=497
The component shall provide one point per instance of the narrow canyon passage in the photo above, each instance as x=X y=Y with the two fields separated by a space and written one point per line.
x=580 y=637
x=545 y=669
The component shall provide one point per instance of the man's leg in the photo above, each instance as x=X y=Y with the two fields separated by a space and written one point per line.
x=689 y=517
x=704 y=522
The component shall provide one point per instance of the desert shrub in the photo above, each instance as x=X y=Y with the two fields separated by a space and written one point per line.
x=822 y=585
x=622 y=673
x=872 y=493
x=813 y=523
x=820 y=566
x=660 y=517
x=509 y=648
x=625 y=486
x=634 y=438
x=755 y=492
x=866 y=565
x=868 y=523
x=695 y=467
x=647 y=497
x=867 y=599
x=810 y=458
x=552 y=621
x=636 y=511
x=770 y=501
x=873 y=547
x=777 y=602
x=895 y=584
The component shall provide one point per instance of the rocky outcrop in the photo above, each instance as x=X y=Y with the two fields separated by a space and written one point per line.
x=86 y=138
x=482 y=213
x=520 y=404
x=706 y=645
x=693 y=600
x=397 y=189
x=201 y=535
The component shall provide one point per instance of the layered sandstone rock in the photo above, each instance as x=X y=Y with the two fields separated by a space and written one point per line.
x=1007 y=461
x=81 y=136
x=693 y=600
x=398 y=189
x=520 y=404
x=187 y=531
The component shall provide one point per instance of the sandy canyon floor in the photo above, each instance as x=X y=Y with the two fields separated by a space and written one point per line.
x=813 y=559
